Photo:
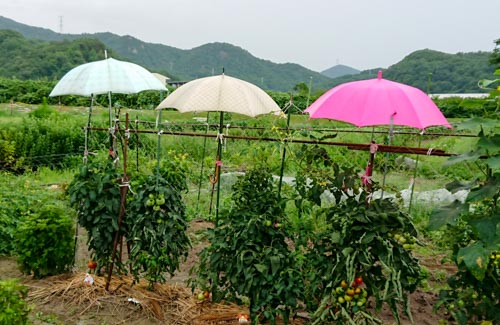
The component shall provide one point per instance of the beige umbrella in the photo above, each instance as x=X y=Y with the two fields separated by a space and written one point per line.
x=220 y=93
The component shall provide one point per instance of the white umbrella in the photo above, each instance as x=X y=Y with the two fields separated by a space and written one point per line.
x=105 y=76
x=223 y=94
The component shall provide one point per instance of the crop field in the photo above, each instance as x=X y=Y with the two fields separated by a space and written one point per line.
x=147 y=225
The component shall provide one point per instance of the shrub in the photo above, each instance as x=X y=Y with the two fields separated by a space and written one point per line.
x=13 y=307
x=44 y=242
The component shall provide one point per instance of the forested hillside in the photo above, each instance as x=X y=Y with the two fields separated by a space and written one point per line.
x=436 y=72
x=35 y=59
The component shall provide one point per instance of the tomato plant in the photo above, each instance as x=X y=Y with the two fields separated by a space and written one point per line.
x=355 y=249
x=475 y=224
x=95 y=194
x=247 y=256
x=157 y=224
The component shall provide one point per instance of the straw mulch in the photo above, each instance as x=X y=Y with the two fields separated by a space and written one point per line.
x=167 y=304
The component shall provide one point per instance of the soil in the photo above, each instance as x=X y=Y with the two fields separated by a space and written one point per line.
x=55 y=310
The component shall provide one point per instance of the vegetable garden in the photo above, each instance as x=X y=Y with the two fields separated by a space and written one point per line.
x=284 y=254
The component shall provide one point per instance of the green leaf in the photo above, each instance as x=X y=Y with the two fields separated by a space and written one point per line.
x=469 y=156
x=488 y=190
x=456 y=186
x=475 y=257
x=261 y=268
x=335 y=237
x=486 y=83
x=348 y=250
x=446 y=215
x=477 y=123
x=486 y=229
x=493 y=162
x=275 y=264
x=490 y=144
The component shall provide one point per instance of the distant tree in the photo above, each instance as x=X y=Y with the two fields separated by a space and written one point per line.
x=495 y=56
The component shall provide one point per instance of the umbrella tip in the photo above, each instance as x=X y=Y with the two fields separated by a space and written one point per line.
x=379 y=76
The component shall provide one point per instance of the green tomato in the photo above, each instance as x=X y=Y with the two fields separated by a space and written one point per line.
x=151 y=196
x=150 y=203
x=268 y=223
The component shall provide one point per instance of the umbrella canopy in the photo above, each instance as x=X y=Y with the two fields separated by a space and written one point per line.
x=223 y=94
x=378 y=102
x=105 y=76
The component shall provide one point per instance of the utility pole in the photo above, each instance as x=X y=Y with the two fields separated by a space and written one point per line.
x=60 y=24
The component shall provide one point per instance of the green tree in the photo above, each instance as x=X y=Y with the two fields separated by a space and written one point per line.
x=495 y=56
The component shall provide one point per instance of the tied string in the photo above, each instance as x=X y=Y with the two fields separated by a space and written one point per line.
x=222 y=140
x=429 y=152
x=127 y=184
x=366 y=179
x=112 y=131
x=367 y=176
x=127 y=133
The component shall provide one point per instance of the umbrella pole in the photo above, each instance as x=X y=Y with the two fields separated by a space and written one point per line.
x=111 y=144
x=158 y=149
x=137 y=143
x=391 y=131
x=123 y=200
x=218 y=165
x=85 y=155
x=283 y=155
x=202 y=165
x=414 y=176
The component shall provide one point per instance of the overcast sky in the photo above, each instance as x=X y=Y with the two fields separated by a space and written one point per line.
x=316 y=34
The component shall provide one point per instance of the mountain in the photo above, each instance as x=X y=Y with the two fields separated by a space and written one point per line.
x=339 y=70
x=426 y=69
x=202 y=61
x=435 y=72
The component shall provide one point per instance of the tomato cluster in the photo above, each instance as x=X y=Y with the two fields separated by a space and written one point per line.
x=352 y=296
x=205 y=295
x=91 y=264
x=155 y=201
x=495 y=258
x=406 y=240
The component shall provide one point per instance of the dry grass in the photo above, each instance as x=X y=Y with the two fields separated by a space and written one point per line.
x=167 y=304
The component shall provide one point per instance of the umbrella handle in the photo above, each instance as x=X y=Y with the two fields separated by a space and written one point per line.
x=215 y=179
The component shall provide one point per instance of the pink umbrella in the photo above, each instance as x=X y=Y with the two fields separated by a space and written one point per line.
x=377 y=102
